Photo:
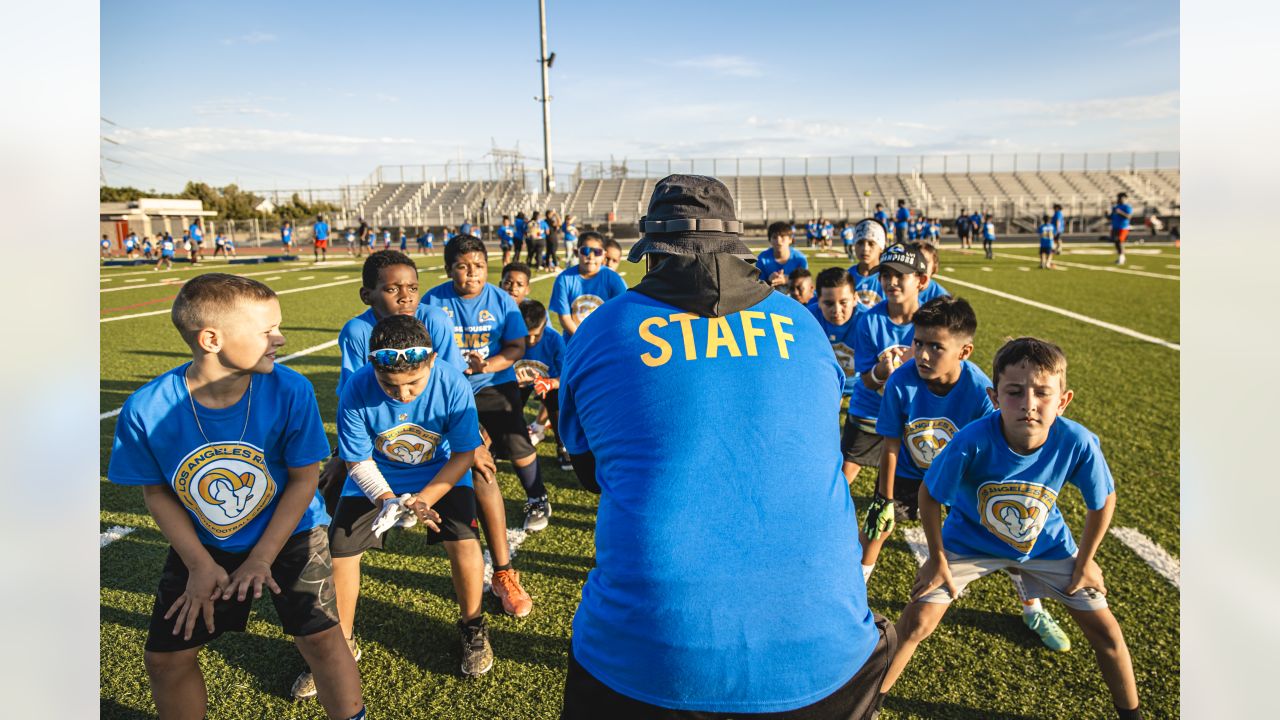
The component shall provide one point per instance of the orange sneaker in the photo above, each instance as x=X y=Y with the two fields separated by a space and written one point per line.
x=515 y=601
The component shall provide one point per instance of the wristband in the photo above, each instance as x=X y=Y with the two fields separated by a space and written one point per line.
x=877 y=380
x=369 y=478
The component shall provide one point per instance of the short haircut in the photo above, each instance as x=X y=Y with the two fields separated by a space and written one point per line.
x=1042 y=354
x=953 y=314
x=375 y=263
x=929 y=252
x=611 y=244
x=779 y=228
x=461 y=245
x=517 y=267
x=798 y=274
x=534 y=313
x=206 y=299
x=833 y=278
x=398 y=332
x=591 y=235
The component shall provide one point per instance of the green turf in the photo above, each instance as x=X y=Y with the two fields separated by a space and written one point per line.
x=981 y=663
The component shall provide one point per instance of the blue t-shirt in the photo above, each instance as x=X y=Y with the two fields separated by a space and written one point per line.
x=769 y=265
x=410 y=441
x=866 y=288
x=975 y=220
x=196 y=235
x=506 y=235
x=286 y=235
x=926 y=422
x=989 y=231
x=875 y=334
x=1059 y=222
x=464 y=229
x=229 y=486
x=1118 y=221
x=688 y=509
x=520 y=224
x=883 y=217
x=166 y=247
x=106 y=243
x=350 y=236
x=128 y=243
x=578 y=297
x=321 y=230
x=963 y=224
x=481 y=325
x=846 y=234
x=570 y=233
x=544 y=360
x=1006 y=505
x=386 y=237
x=353 y=340
x=933 y=290
x=1046 y=236
x=903 y=216
x=841 y=339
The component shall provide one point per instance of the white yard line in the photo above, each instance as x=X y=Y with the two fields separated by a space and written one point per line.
x=275 y=277
x=132 y=281
x=917 y=543
x=1102 y=268
x=515 y=538
x=307 y=277
x=1167 y=566
x=278 y=292
x=542 y=277
x=177 y=281
x=1174 y=267
x=1073 y=315
x=112 y=534
x=306 y=351
x=201 y=266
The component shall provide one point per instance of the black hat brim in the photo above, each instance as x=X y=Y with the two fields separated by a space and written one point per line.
x=690 y=243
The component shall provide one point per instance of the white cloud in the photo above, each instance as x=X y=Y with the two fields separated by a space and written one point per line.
x=1160 y=106
x=234 y=107
x=193 y=142
x=731 y=65
x=253 y=38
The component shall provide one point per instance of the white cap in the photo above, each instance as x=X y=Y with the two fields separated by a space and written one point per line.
x=871 y=230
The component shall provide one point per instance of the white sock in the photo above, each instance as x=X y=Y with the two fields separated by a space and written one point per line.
x=866 y=571
x=1032 y=606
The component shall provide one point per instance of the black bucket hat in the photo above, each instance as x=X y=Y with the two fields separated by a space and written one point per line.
x=690 y=215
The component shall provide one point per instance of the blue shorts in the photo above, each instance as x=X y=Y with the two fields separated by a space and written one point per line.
x=1046 y=246
x=166 y=253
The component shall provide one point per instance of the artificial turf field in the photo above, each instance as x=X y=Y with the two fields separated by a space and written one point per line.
x=981 y=663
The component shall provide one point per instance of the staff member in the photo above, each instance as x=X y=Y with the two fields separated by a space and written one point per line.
x=726 y=582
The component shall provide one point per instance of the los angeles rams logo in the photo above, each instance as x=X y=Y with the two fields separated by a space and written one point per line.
x=408 y=443
x=486 y=316
x=225 y=485
x=1016 y=511
x=583 y=306
x=844 y=356
x=529 y=370
x=925 y=438
x=870 y=298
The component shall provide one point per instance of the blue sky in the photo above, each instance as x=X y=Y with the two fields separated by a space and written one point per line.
x=290 y=95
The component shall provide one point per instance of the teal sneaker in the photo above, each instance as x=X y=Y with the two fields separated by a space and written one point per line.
x=1043 y=624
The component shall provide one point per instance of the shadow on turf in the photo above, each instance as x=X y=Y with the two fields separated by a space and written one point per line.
x=951 y=711
x=112 y=710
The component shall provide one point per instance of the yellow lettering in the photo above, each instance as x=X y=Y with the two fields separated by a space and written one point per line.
x=719 y=335
x=686 y=332
x=749 y=331
x=664 y=349
x=783 y=336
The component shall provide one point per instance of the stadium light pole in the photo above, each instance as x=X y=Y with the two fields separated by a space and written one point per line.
x=548 y=178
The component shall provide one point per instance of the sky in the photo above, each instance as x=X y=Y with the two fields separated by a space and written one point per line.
x=288 y=95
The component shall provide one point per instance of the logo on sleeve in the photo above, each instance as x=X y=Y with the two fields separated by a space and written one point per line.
x=225 y=485
x=1016 y=511
x=925 y=438
x=408 y=443
x=584 y=305
x=529 y=370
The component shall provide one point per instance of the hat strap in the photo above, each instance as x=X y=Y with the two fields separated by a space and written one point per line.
x=688 y=224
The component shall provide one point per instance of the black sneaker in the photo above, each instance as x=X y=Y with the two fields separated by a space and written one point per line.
x=565 y=463
x=477 y=656
x=537 y=513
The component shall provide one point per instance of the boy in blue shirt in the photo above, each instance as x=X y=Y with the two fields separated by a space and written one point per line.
x=612 y=254
x=427 y=242
x=105 y=248
x=846 y=238
x=976 y=225
x=780 y=259
x=581 y=289
x=882 y=342
x=1001 y=476
x=836 y=314
x=801 y=289
x=538 y=372
x=226 y=449
x=964 y=229
x=515 y=280
x=146 y=248
x=166 y=252
x=197 y=240
x=869 y=242
x=218 y=243
x=370 y=239
x=404 y=241
x=902 y=222
x=1119 y=216
x=934 y=289
x=988 y=236
x=320 y=242
x=386 y=238
x=506 y=238
x=1059 y=227
x=491 y=334
x=130 y=245
x=350 y=236
x=407 y=430
x=1047 y=234
x=286 y=238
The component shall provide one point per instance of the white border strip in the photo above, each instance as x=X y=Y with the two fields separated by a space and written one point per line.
x=1167 y=566
x=1067 y=313
x=112 y=534
x=307 y=351
x=278 y=292
x=1083 y=266
x=917 y=542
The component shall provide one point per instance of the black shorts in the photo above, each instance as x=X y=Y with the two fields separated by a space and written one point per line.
x=502 y=415
x=586 y=698
x=352 y=530
x=906 y=492
x=859 y=441
x=307 y=605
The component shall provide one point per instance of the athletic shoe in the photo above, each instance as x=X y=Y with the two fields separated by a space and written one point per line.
x=537 y=512
x=537 y=433
x=305 y=685
x=1043 y=624
x=506 y=586
x=565 y=463
x=477 y=656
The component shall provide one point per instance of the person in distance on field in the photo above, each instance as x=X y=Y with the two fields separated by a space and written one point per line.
x=868 y=243
x=538 y=372
x=1047 y=233
x=837 y=314
x=934 y=288
x=320 y=239
x=780 y=259
x=1119 y=216
x=988 y=236
x=800 y=287
x=612 y=255
x=1059 y=227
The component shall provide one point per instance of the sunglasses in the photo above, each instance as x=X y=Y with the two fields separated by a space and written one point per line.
x=589 y=251
x=388 y=357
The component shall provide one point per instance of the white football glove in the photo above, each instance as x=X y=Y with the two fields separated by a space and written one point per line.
x=394 y=513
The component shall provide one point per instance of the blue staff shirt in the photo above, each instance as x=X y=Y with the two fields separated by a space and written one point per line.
x=926 y=422
x=481 y=325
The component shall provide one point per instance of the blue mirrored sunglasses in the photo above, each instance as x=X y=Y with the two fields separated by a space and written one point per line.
x=388 y=357
x=589 y=251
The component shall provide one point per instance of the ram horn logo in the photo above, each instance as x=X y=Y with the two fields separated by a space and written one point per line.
x=1016 y=512
x=404 y=451
x=584 y=305
x=1018 y=519
x=222 y=487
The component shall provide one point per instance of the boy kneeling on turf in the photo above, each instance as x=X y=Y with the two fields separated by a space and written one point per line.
x=1001 y=476
x=407 y=430
x=227 y=450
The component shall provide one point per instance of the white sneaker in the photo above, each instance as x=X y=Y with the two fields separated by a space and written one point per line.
x=537 y=433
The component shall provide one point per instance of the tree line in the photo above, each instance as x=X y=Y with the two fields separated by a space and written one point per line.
x=230 y=202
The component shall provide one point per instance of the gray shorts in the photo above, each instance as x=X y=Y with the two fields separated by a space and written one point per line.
x=1042 y=578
